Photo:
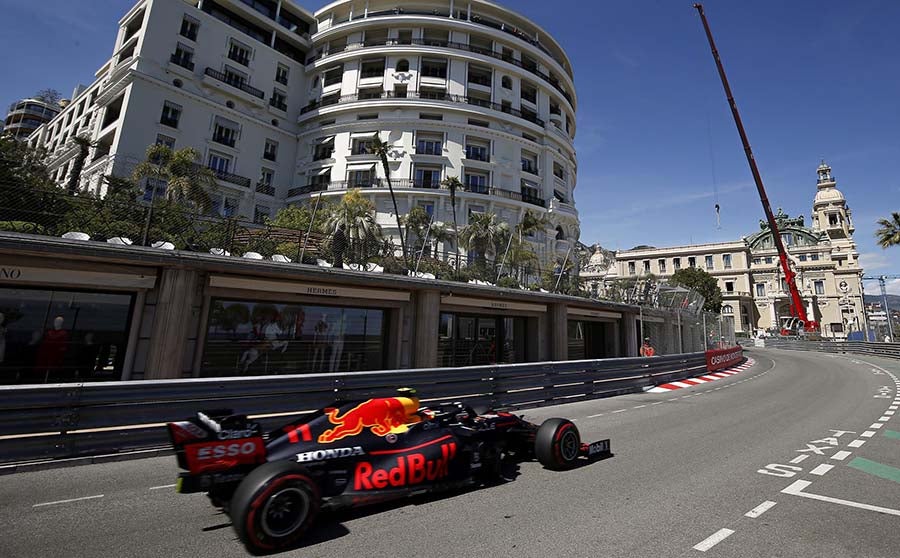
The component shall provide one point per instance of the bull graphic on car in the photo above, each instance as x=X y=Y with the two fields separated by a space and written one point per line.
x=383 y=416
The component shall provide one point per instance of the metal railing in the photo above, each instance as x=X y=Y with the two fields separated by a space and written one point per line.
x=267 y=189
x=886 y=350
x=407 y=183
x=462 y=99
x=65 y=421
x=236 y=83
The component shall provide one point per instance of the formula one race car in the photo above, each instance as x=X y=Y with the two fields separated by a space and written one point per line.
x=273 y=485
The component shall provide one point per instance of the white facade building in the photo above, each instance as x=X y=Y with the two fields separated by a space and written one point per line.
x=283 y=103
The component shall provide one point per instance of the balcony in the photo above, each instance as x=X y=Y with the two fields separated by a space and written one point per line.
x=478 y=154
x=280 y=105
x=235 y=179
x=736 y=294
x=182 y=61
x=530 y=168
x=411 y=95
x=224 y=139
x=448 y=44
x=236 y=83
x=533 y=199
x=263 y=188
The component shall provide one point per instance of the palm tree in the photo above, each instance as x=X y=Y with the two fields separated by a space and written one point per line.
x=84 y=146
x=380 y=149
x=889 y=233
x=452 y=183
x=357 y=215
x=186 y=180
x=483 y=234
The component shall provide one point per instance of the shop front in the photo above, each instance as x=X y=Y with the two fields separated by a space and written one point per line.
x=78 y=332
x=476 y=332
x=275 y=327
x=594 y=334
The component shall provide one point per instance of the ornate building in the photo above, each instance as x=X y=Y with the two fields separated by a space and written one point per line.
x=823 y=255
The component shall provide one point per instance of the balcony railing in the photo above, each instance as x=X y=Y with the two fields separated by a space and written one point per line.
x=236 y=83
x=231 y=178
x=478 y=154
x=280 y=105
x=224 y=140
x=182 y=61
x=426 y=96
x=263 y=188
x=480 y=80
x=410 y=183
x=447 y=44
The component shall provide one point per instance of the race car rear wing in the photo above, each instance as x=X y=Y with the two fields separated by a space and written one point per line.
x=216 y=440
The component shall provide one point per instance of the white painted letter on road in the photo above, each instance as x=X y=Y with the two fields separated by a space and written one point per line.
x=779 y=470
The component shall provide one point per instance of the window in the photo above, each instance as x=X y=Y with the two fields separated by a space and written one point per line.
x=373 y=68
x=480 y=123
x=219 y=162
x=662 y=266
x=832 y=219
x=630 y=268
x=225 y=131
x=709 y=262
x=480 y=75
x=768 y=259
x=270 y=151
x=321 y=179
x=154 y=188
x=261 y=214
x=435 y=93
x=426 y=116
x=281 y=74
x=529 y=162
x=184 y=56
x=402 y=65
x=266 y=176
x=787 y=239
x=646 y=266
x=362 y=146
x=692 y=261
x=477 y=149
x=332 y=76
x=802 y=257
x=554 y=108
x=477 y=182
x=529 y=92
x=278 y=100
x=427 y=177
x=434 y=68
x=239 y=53
x=506 y=82
x=676 y=263
x=429 y=144
x=726 y=260
x=230 y=207
x=819 y=287
x=760 y=289
x=558 y=171
x=370 y=92
x=814 y=257
x=165 y=140
x=428 y=207
x=189 y=28
x=324 y=149
x=360 y=178
x=475 y=210
x=234 y=77
x=170 y=114
x=373 y=116
x=400 y=91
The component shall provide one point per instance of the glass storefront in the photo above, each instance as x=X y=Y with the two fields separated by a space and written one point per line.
x=51 y=336
x=254 y=338
x=590 y=339
x=476 y=340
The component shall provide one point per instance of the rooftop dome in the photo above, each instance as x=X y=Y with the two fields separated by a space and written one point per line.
x=828 y=195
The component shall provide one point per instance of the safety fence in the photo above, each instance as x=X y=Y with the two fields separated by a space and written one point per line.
x=46 y=422
x=886 y=350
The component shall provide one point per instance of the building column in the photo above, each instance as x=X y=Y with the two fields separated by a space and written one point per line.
x=629 y=325
x=559 y=331
x=773 y=319
x=178 y=291
x=427 y=325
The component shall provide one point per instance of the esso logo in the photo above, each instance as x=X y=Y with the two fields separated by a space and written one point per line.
x=226 y=450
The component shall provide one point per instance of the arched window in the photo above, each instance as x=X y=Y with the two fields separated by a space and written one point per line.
x=403 y=65
x=560 y=233
x=727 y=309
x=506 y=82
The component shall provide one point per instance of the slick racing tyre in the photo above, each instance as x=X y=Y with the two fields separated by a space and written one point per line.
x=274 y=506
x=557 y=444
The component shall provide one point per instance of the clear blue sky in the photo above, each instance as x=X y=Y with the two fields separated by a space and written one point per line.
x=656 y=143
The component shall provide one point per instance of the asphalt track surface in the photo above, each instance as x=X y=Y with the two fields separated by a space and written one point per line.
x=714 y=469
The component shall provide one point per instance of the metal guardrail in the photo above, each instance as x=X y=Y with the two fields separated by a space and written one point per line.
x=886 y=350
x=75 y=420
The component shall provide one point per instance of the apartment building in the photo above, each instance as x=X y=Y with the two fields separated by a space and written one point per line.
x=748 y=271
x=25 y=116
x=282 y=104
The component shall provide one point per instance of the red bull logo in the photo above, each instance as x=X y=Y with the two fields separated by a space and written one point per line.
x=410 y=469
x=381 y=416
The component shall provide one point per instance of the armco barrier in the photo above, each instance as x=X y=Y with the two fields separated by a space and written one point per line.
x=73 y=420
x=885 y=350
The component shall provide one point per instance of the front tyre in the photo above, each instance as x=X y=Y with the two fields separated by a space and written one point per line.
x=274 y=506
x=557 y=444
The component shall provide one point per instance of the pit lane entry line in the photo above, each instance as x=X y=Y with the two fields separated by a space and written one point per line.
x=796 y=489
x=713 y=539
x=67 y=501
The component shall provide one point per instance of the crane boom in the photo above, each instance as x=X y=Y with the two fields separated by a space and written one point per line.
x=797 y=308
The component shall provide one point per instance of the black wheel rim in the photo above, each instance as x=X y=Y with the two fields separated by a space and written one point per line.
x=569 y=446
x=285 y=512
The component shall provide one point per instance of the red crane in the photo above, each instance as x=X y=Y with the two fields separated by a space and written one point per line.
x=798 y=311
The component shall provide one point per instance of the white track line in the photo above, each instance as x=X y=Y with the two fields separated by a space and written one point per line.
x=162 y=487
x=760 y=509
x=876 y=425
x=713 y=540
x=856 y=443
x=841 y=455
x=799 y=458
x=67 y=501
x=796 y=489
x=821 y=469
x=867 y=434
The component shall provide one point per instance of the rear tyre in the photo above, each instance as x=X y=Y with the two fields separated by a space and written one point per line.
x=274 y=506
x=557 y=444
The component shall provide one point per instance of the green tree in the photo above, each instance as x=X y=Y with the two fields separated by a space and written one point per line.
x=185 y=179
x=49 y=96
x=357 y=215
x=702 y=282
x=482 y=235
x=452 y=183
x=889 y=233
x=84 y=144
x=29 y=199
x=422 y=232
x=381 y=149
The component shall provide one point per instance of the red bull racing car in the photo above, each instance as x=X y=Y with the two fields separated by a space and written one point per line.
x=273 y=484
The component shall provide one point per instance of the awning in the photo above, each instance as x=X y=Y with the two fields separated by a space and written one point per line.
x=320 y=172
x=360 y=167
x=363 y=134
x=326 y=139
